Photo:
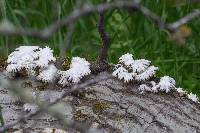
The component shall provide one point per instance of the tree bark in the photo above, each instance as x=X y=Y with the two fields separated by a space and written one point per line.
x=113 y=106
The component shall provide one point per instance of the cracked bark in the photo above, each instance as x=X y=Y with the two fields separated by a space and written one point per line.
x=115 y=107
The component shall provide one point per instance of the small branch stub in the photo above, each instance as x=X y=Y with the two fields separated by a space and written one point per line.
x=101 y=62
x=104 y=37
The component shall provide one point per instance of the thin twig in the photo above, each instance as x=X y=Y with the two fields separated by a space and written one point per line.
x=184 y=20
x=67 y=41
x=66 y=21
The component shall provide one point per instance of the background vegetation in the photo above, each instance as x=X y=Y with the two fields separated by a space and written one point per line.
x=129 y=31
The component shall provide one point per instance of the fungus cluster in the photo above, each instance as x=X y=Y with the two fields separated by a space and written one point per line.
x=29 y=60
x=79 y=68
x=166 y=84
x=129 y=70
x=40 y=63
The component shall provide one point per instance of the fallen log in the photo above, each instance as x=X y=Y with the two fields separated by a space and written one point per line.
x=112 y=106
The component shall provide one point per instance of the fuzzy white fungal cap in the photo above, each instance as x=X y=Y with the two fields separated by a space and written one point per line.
x=20 y=52
x=126 y=59
x=28 y=58
x=153 y=83
x=166 y=84
x=154 y=86
x=79 y=68
x=150 y=71
x=77 y=62
x=180 y=90
x=193 y=97
x=22 y=58
x=123 y=74
x=144 y=87
x=140 y=65
x=45 y=56
x=129 y=69
x=49 y=74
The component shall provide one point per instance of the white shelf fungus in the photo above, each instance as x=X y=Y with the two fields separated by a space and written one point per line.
x=79 y=68
x=148 y=73
x=144 y=87
x=165 y=84
x=123 y=74
x=180 y=90
x=140 y=65
x=44 y=56
x=126 y=59
x=129 y=69
x=29 y=58
x=193 y=97
x=49 y=74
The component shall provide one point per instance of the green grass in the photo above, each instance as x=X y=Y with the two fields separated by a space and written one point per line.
x=130 y=32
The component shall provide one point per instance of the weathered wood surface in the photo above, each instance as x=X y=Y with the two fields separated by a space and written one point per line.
x=115 y=107
x=12 y=109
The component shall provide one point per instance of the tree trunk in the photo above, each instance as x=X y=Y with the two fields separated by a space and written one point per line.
x=114 y=106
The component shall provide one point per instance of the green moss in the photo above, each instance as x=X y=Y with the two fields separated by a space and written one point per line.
x=65 y=64
x=3 y=64
x=42 y=86
x=100 y=107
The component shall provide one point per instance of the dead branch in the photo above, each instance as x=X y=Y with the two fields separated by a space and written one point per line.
x=88 y=9
x=184 y=20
